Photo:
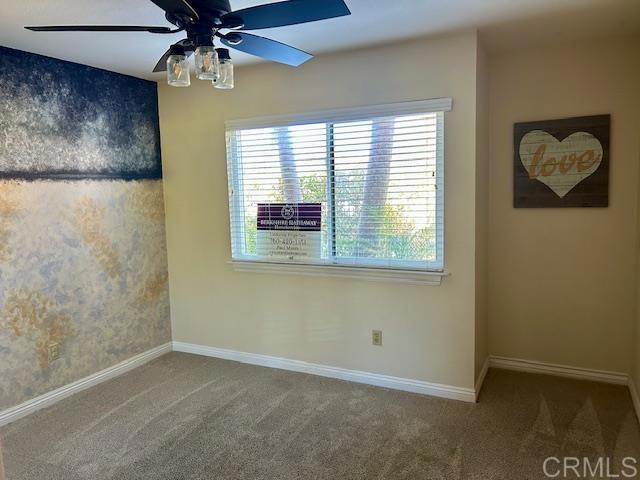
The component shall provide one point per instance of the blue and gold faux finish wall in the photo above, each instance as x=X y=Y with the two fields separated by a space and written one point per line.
x=82 y=242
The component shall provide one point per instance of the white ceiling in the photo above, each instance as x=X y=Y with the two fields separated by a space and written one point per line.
x=502 y=23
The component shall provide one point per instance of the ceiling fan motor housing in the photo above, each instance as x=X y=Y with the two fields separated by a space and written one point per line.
x=210 y=12
x=216 y=7
x=199 y=30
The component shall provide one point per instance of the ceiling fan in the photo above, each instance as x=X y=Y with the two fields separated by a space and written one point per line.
x=203 y=20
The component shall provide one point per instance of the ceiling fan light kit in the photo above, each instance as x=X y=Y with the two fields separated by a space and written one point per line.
x=203 y=20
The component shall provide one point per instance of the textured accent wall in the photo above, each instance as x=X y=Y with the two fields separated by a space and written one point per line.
x=82 y=242
x=66 y=121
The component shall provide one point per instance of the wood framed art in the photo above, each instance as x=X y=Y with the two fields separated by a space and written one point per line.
x=561 y=163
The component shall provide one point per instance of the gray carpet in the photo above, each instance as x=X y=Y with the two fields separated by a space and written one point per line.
x=189 y=417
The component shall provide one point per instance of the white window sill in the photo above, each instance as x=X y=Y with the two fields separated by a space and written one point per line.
x=414 y=277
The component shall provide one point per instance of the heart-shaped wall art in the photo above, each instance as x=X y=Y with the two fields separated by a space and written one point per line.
x=560 y=165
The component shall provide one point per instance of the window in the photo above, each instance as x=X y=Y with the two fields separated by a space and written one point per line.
x=373 y=176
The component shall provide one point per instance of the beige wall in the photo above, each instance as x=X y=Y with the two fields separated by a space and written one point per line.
x=428 y=331
x=482 y=209
x=562 y=282
x=635 y=368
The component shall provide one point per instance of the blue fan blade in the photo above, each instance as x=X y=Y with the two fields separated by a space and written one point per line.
x=281 y=14
x=99 y=28
x=268 y=49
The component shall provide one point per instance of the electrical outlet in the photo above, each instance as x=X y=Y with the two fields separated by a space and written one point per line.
x=54 y=352
x=376 y=337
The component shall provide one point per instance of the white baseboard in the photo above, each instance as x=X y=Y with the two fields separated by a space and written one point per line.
x=634 y=397
x=480 y=380
x=396 y=383
x=533 y=366
x=14 y=413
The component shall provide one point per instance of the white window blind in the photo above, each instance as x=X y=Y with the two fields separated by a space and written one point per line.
x=376 y=171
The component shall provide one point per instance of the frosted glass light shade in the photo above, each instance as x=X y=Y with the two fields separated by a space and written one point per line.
x=178 y=71
x=207 y=63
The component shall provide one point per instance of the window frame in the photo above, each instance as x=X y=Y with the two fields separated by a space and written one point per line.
x=375 y=269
